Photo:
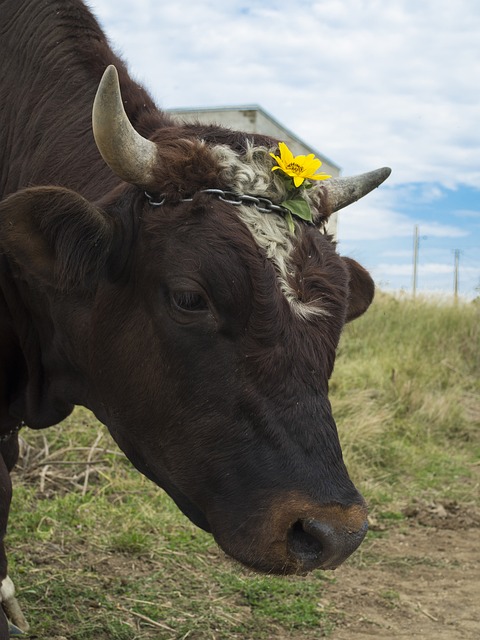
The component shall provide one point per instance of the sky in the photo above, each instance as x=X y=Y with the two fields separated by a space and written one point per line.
x=367 y=83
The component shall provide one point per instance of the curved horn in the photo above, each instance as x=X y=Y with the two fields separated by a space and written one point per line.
x=340 y=192
x=126 y=152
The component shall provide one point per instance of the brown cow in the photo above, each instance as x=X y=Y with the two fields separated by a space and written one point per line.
x=152 y=277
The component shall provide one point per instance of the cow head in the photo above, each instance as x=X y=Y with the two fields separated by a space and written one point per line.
x=203 y=333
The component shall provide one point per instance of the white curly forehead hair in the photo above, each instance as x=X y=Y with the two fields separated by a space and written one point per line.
x=251 y=173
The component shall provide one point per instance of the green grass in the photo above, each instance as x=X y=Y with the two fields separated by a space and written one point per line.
x=108 y=556
x=89 y=568
x=406 y=397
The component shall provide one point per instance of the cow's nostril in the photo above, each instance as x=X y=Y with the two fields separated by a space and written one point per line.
x=307 y=547
x=317 y=544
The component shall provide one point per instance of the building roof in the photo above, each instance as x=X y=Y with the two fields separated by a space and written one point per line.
x=253 y=119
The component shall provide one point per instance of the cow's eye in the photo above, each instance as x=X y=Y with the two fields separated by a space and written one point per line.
x=189 y=301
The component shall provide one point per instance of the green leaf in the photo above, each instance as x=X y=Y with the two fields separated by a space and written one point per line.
x=299 y=208
x=289 y=219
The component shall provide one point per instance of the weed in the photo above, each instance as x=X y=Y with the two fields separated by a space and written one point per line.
x=391 y=596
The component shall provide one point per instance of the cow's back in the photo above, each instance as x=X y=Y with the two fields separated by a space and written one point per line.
x=53 y=56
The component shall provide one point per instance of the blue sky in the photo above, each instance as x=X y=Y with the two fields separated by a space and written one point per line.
x=367 y=83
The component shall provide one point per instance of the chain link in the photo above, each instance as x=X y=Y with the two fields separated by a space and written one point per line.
x=264 y=205
x=152 y=202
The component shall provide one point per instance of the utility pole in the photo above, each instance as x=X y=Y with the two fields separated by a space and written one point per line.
x=455 y=276
x=415 y=261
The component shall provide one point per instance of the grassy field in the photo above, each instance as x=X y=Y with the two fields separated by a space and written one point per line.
x=98 y=552
x=406 y=396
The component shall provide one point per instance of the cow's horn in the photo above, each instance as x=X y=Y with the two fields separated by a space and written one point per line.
x=126 y=152
x=340 y=192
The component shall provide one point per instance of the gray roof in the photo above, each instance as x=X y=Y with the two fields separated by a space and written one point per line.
x=253 y=119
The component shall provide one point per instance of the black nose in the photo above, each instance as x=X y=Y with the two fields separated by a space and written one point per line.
x=319 y=545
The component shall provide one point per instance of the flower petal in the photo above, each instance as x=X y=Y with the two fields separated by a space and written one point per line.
x=298 y=167
x=299 y=160
x=285 y=153
x=313 y=165
x=319 y=176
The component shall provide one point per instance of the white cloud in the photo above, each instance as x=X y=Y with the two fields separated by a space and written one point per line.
x=424 y=268
x=437 y=230
x=375 y=218
x=467 y=213
x=396 y=253
x=367 y=83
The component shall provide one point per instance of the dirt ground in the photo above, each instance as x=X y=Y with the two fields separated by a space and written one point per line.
x=416 y=578
x=420 y=580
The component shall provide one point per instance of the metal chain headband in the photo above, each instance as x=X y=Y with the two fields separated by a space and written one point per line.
x=264 y=205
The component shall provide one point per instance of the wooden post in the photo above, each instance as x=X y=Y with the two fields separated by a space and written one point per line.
x=415 y=261
x=455 y=276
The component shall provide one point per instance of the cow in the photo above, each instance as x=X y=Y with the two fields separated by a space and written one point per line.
x=149 y=272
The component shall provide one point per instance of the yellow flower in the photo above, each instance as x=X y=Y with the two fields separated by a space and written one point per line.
x=299 y=168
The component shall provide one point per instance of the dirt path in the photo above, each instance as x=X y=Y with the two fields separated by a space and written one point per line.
x=421 y=580
x=417 y=582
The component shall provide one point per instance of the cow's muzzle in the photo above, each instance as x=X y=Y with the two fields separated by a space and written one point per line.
x=295 y=535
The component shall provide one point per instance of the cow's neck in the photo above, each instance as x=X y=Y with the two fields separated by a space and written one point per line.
x=35 y=383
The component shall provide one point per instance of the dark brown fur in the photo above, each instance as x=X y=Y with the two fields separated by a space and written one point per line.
x=225 y=405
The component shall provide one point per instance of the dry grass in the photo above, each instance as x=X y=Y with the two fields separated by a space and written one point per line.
x=406 y=395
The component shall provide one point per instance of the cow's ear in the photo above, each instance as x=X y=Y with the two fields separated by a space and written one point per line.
x=55 y=236
x=361 y=289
